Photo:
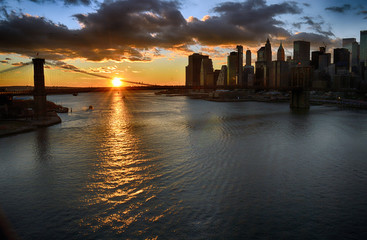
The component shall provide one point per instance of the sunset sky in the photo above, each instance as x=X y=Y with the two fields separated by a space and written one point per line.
x=149 y=40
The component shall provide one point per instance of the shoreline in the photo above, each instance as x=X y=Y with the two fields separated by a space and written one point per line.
x=267 y=97
x=13 y=127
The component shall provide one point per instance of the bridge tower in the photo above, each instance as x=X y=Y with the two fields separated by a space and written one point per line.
x=39 y=93
x=300 y=84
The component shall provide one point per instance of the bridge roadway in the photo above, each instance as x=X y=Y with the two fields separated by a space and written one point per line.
x=70 y=90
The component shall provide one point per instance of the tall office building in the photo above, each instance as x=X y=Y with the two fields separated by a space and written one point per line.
x=207 y=73
x=355 y=57
x=363 y=54
x=248 y=58
x=263 y=65
x=281 y=54
x=279 y=70
x=232 y=66
x=341 y=60
x=301 y=53
x=222 y=78
x=363 y=48
x=353 y=48
x=320 y=60
x=193 y=69
x=268 y=53
x=248 y=71
x=239 y=70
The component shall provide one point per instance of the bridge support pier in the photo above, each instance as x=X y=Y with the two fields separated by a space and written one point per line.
x=300 y=99
x=39 y=93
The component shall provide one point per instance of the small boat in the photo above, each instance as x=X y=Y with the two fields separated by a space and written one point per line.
x=90 y=107
x=75 y=94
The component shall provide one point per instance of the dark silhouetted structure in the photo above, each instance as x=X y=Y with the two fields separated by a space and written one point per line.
x=341 y=60
x=193 y=69
x=301 y=53
x=39 y=95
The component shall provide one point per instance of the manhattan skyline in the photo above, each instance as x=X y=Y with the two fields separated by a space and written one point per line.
x=150 y=40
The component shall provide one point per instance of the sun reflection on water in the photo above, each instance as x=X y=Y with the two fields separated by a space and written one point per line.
x=121 y=188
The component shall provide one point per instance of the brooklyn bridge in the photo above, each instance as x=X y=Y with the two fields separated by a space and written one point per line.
x=299 y=89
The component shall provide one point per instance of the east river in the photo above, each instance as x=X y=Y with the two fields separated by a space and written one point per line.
x=154 y=167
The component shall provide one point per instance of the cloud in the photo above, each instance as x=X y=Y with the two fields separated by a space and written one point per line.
x=364 y=12
x=20 y=64
x=66 y=2
x=314 y=25
x=131 y=30
x=340 y=9
x=306 y=4
x=252 y=21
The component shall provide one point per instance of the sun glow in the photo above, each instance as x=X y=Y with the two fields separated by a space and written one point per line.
x=116 y=82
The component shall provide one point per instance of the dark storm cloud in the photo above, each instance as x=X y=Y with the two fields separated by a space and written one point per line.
x=251 y=21
x=339 y=9
x=133 y=30
x=306 y=4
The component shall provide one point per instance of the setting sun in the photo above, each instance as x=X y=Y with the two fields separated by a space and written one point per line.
x=116 y=82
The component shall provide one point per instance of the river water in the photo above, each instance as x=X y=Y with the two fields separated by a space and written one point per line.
x=157 y=167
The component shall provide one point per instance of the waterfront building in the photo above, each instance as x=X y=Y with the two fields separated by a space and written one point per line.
x=216 y=75
x=222 y=77
x=279 y=71
x=363 y=54
x=239 y=69
x=363 y=48
x=263 y=65
x=352 y=46
x=193 y=69
x=268 y=52
x=232 y=65
x=301 y=53
x=355 y=58
x=248 y=70
x=206 y=73
x=341 y=60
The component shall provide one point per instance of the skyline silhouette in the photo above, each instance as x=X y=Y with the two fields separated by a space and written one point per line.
x=150 y=40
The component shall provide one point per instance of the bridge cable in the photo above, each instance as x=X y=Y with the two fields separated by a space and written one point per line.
x=71 y=68
x=15 y=68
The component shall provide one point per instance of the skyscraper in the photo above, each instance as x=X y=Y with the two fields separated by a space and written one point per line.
x=193 y=69
x=248 y=71
x=222 y=78
x=281 y=54
x=239 y=70
x=206 y=72
x=232 y=66
x=235 y=65
x=363 y=47
x=248 y=58
x=268 y=53
x=341 y=60
x=352 y=46
x=301 y=53
x=263 y=65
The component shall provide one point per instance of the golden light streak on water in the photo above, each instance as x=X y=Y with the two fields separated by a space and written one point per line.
x=122 y=172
